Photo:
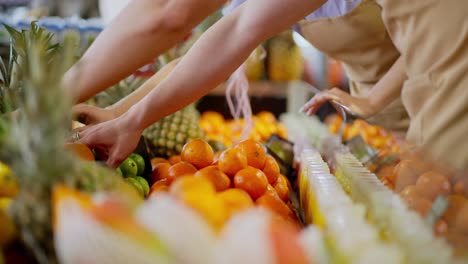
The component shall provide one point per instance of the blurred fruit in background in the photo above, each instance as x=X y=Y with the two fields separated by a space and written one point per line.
x=218 y=129
x=284 y=60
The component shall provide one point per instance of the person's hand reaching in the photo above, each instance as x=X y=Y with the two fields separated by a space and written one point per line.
x=91 y=115
x=116 y=138
x=359 y=105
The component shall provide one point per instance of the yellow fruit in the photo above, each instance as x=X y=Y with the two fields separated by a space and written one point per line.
x=235 y=200
x=8 y=185
x=199 y=194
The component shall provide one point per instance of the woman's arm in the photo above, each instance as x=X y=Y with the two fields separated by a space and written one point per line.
x=141 y=32
x=126 y=103
x=217 y=54
x=381 y=95
x=91 y=115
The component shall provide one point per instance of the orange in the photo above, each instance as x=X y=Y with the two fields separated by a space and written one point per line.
x=432 y=184
x=272 y=202
x=160 y=171
x=198 y=153
x=231 y=161
x=184 y=187
x=199 y=194
x=271 y=169
x=251 y=180
x=281 y=187
x=267 y=117
x=455 y=205
x=407 y=173
x=155 y=161
x=255 y=153
x=285 y=243
x=180 y=169
x=213 y=173
x=80 y=150
x=174 y=159
x=235 y=200
x=159 y=186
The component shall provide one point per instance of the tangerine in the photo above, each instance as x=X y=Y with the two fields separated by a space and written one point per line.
x=174 y=159
x=432 y=184
x=231 y=161
x=235 y=200
x=160 y=172
x=159 y=186
x=180 y=169
x=255 y=153
x=407 y=173
x=271 y=169
x=273 y=202
x=157 y=160
x=282 y=188
x=198 y=153
x=251 y=180
x=213 y=173
x=80 y=150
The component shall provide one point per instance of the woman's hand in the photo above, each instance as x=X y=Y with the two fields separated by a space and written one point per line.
x=116 y=138
x=362 y=106
x=90 y=115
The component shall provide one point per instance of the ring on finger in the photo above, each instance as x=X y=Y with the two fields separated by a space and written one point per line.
x=76 y=136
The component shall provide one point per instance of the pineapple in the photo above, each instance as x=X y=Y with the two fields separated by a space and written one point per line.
x=168 y=135
x=285 y=62
x=35 y=142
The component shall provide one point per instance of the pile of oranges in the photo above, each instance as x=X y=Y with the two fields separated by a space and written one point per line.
x=419 y=182
x=217 y=128
x=375 y=136
x=219 y=185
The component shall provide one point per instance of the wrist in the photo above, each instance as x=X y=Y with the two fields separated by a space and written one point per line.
x=134 y=119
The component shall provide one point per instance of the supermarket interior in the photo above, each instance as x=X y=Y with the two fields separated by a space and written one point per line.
x=211 y=131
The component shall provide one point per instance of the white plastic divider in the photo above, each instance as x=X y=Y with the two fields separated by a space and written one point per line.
x=350 y=238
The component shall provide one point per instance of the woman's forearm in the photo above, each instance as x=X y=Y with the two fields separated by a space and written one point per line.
x=217 y=54
x=389 y=87
x=144 y=30
x=126 y=103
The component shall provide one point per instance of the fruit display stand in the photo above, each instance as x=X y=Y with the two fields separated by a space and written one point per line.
x=390 y=213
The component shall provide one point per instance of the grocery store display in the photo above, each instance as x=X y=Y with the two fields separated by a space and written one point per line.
x=293 y=191
x=414 y=215
x=219 y=188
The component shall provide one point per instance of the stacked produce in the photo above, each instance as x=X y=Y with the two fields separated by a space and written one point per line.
x=219 y=187
x=163 y=229
x=375 y=136
x=227 y=132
